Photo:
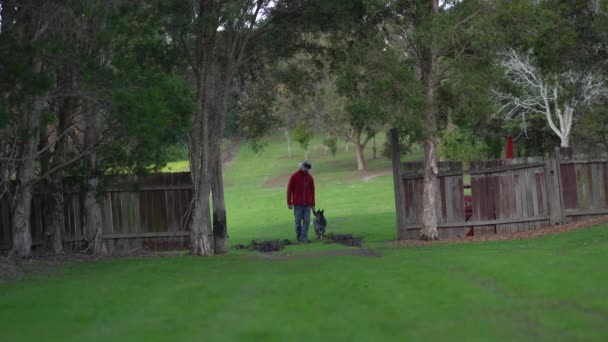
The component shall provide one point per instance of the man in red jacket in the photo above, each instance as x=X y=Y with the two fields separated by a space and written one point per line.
x=301 y=197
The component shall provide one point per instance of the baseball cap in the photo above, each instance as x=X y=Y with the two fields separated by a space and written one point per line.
x=306 y=164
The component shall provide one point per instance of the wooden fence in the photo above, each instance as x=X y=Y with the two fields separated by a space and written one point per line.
x=509 y=195
x=149 y=212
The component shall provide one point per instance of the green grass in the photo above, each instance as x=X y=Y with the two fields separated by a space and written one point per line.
x=546 y=289
x=553 y=288
x=177 y=166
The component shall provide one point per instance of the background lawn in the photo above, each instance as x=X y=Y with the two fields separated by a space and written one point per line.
x=551 y=288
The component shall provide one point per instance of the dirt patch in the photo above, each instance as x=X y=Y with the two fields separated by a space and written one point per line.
x=277 y=182
x=373 y=174
x=8 y=270
x=366 y=176
x=265 y=246
x=512 y=236
x=344 y=239
x=362 y=252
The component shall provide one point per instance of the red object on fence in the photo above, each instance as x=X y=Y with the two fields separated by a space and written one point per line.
x=509 y=151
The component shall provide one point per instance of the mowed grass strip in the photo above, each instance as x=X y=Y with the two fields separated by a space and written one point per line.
x=551 y=288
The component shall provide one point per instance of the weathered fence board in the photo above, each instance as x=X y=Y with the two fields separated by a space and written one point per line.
x=585 y=182
x=570 y=189
x=151 y=215
x=507 y=196
x=5 y=231
x=450 y=194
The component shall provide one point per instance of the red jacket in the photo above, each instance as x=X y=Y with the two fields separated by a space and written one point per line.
x=301 y=189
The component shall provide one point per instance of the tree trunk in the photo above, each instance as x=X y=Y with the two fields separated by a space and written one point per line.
x=92 y=217
x=220 y=228
x=398 y=183
x=55 y=216
x=201 y=242
x=430 y=77
x=56 y=220
x=289 y=153
x=429 y=193
x=201 y=237
x=93 y=228
x=20 y=220
x=361 y=163
x=26 y=174
x=565 y=141
x=374 y=148
x=53 y=212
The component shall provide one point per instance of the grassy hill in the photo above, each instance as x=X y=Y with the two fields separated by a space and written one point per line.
x=354 y=201
x=358 y=202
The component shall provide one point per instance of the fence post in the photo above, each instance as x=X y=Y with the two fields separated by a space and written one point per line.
x=555 y=195
x=398 y=184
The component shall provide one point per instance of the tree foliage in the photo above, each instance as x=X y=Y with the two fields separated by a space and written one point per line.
x=564 y=43
x=88 y=89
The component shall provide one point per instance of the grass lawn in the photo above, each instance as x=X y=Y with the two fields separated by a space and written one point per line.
x=551 y=288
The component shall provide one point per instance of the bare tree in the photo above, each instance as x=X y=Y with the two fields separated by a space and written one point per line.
x=560 y=98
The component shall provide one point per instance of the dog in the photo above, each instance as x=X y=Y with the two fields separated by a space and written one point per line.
x=320 y=223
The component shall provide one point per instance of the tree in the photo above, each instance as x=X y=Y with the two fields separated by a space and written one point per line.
x=218 y=39
x=559 y=39
x=559 y=97
x=311 y=46
x=434 y=36
x=378 y=85
x=25 y=87
x=302 y=135
x=593 y=129
x=326 y=107
x=131 y=104
x=363 y=110
x=460 y=144
x=84 y=124
x=303 y=94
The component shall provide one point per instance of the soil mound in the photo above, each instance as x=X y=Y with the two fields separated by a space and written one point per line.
x=265 y=246
x=344 y=239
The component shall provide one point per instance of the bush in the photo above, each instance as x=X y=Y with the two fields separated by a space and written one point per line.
x=592 y=129
x=332 y=144
x=462 y=145
x=302 y=135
